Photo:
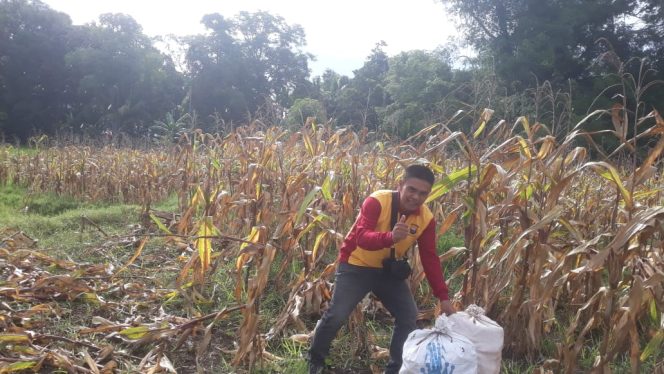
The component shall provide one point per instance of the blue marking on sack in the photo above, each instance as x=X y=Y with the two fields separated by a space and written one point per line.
x=434 y=360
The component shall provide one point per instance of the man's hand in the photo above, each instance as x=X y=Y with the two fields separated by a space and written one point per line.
x=400 y=230
x=447 y=307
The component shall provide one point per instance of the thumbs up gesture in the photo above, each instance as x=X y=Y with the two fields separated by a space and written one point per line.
x=400 y=230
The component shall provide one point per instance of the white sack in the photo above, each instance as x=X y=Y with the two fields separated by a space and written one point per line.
x=485 y=334
x=438 y=351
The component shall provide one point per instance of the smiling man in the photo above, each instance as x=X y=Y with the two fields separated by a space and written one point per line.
x=372 y=260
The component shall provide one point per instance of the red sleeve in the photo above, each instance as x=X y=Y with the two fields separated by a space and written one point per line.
x=431 y=263
x=367 y=238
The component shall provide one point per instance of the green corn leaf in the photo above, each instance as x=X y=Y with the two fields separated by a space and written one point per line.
x=654 y=346
x=479 y=130
x=654 y=316
x=159 y=224
x=19 y=366
x=445 y=184
x=135 y=332
x=305 y=203
x=326 y=188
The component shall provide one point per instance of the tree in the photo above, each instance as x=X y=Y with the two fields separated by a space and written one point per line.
x=303 y=109
x=33 y=86
x=271 y=49
x=551 y=40
x=122 y=82
x=327 y=89
x=417 y=82
x=245 y=63
x=216 y=69
x=650 y=36
x=357 y=102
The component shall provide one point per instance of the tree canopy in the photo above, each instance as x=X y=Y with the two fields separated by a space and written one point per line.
x=547 y=60
x=33 y=75
x=245 y=63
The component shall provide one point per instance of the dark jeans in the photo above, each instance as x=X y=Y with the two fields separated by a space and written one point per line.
x=351 y=285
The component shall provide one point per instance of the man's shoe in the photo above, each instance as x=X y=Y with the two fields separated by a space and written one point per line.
x=315 y=368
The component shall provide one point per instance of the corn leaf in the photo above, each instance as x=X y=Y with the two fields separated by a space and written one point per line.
x=18 y=366
x=654 y=346
x=445 y=184
x=133 y=258
x=135 y=332
x=610 y=173
x=159 y=224
x=524 y=147
x=326 y=188
x=204 y=243
x=526 y=125
x=14 y=338
x=317 y=243
x=305 y=203
x=449 y=220
x=484 y=118
x=253 y=237
x=311 y=225
x=479 y=130
x=654 y=315
x=308 y=145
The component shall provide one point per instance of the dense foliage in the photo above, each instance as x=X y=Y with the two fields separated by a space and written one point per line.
x=552 y=61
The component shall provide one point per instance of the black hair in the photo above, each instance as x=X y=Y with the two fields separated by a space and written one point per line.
x=420 y=172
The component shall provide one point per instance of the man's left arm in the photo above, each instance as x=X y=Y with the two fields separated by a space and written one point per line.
x=432 y=267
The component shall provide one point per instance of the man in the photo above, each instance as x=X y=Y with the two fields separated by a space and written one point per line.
x=361 y=257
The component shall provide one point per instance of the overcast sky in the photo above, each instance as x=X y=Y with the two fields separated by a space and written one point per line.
x=341 y=33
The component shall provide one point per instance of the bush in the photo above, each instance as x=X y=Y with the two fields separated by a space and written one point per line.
x=303 y=109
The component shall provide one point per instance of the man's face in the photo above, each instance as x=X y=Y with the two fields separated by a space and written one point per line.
x=413 y=193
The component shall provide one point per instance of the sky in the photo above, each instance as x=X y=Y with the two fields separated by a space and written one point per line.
x=340 y=33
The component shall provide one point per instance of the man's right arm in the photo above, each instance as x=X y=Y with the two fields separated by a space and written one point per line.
x=367 y=236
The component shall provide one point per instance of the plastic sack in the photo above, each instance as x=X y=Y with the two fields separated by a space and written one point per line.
x=438 y=351
x=485 y=334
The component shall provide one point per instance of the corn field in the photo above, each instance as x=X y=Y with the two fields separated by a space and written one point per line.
x=554 y=241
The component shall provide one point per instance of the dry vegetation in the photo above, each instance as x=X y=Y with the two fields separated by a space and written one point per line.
x=563 y=251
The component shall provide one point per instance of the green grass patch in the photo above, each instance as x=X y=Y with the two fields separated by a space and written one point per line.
x=11 y=200
x=20 y=151
x=60 y=224
x=49 y=204
x=445 y=242
x=170 y=204
x=448 y=240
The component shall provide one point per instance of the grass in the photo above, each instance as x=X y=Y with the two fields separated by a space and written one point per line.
x=446 y=241
x=60 y=224
x=21 y=150
x=170 y=204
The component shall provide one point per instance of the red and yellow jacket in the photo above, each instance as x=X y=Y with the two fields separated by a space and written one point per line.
x=370 y=239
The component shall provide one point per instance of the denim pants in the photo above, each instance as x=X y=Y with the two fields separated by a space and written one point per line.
x=352 y=283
